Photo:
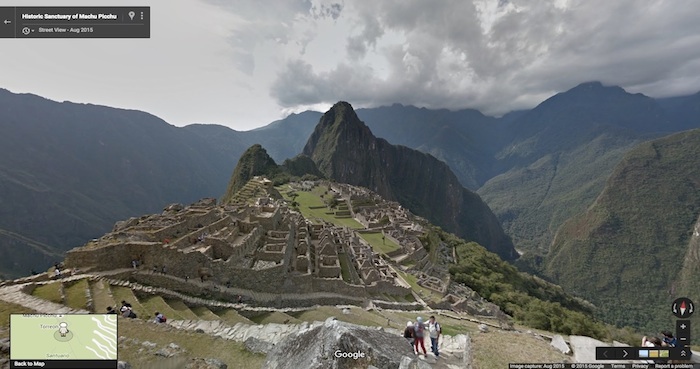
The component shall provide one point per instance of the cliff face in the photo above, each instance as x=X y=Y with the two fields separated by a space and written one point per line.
x=344 y=149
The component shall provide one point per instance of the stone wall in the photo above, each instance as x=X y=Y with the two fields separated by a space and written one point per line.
x=220 y=248
x=190 y=221
x=386 y=287
x=186 y=240
x=329 y=271
x=110 y=257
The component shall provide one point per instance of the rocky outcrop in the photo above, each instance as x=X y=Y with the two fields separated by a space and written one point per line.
x=559 y=344
x=339 y=345
x=206 y=364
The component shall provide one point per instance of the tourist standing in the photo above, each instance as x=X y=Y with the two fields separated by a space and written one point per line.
x=435 y=330
x=418 y=336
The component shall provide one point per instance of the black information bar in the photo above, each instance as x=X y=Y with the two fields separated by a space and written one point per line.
x=63 y=364
x=75 y=22
x=604 y=366
x=655 y=354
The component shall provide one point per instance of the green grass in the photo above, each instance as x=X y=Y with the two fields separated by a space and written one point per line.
x=231 y=317
x=204 y=313
x=156 y=303
x=344 y=267
x=125 y=294
x=383 y=246
x=101 y=297
x=7 y=308
x=232 y=353
x=50 y=292
x=424 y=293
x=75 y=294
x=275 y=317
x=495 y=349
x=314 y=198
x=181 y=309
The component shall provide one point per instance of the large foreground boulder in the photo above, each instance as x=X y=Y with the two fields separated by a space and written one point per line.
x=339 y=345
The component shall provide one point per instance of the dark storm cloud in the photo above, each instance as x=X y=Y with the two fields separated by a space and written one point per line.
x=455 y=54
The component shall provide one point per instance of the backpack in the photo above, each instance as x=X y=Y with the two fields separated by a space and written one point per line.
x=132 y=315
x=164 y=319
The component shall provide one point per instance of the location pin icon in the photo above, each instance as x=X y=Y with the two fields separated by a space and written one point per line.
x=131 y=15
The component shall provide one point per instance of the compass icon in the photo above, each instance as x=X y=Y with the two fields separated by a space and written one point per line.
x=683 y=307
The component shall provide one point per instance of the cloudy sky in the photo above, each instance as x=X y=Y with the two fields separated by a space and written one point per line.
x=244 y=63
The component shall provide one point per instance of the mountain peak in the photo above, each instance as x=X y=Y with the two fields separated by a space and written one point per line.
x=341 y=113
x=595 y=88
x=345 y=150
x=254 y=162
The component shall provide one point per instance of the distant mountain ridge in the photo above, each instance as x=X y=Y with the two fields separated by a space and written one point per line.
x=344 y=149
x=531 y=189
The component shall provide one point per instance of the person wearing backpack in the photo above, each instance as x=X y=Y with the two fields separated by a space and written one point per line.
x=418 y=335
x=435 y=330
x=160 y=318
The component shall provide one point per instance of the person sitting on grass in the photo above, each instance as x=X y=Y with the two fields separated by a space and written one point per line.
x=160 y=318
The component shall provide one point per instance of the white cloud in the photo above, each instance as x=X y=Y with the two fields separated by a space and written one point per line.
x=500 y=55
x=244 y=63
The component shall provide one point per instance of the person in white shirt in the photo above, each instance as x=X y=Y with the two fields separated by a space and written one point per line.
x=435 y=330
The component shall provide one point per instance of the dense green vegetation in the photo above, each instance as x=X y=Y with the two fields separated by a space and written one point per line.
x=626 y=252
x=529 y=299
x=561 y=154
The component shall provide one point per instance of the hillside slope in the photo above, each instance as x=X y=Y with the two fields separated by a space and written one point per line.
x=631 y=252
x=561 y=153
x=344 y=149
x=69 y=171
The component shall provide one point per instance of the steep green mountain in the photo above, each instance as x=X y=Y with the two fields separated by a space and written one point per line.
x=301 y=166
x=636 y=248
x=560 y=155
x=255 y=161
x=69 y=171
x=344 y=149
